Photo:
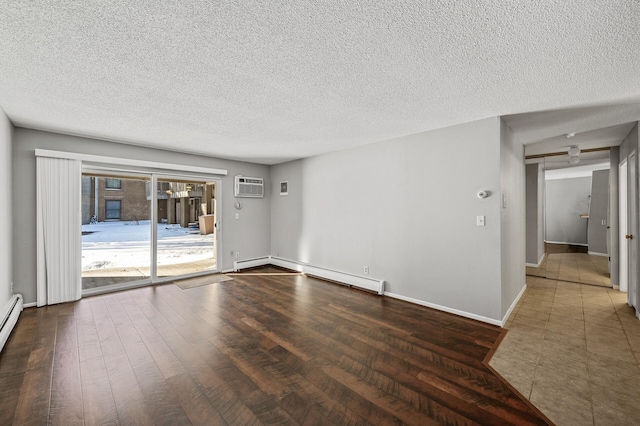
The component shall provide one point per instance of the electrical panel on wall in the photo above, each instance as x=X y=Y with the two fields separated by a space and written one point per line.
x=248 y=187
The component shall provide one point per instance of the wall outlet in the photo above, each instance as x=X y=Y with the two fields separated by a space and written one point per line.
x=237 y=254
x=366 y=270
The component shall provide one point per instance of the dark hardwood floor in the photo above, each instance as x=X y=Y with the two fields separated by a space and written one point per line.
x=256 y=350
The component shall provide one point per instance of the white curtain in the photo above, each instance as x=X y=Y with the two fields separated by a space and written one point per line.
x=59 y=230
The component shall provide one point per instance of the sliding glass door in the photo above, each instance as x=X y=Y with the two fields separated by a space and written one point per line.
x=146 y=228
x=116 y=219
x=186 y=227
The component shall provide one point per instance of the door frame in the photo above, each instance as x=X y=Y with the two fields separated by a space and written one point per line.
x=623 y=225
x=632 y=206
x=153 y=178
x=154 y=220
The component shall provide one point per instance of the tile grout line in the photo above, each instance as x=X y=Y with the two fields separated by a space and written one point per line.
x=586 y=349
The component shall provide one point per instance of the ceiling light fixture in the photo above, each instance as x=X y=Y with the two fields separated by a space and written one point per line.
x=570 y=135
x=574 y=151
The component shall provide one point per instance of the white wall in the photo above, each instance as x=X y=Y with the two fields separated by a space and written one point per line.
x=534 y=213
x=407 y=209
x=249 y=235
x=566 y=200
x=512 y=212
x=6 y=210
x=630 y=143
x=598 y=208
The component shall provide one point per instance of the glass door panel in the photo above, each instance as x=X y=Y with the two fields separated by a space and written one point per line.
x=186 y=231
x=116 y=223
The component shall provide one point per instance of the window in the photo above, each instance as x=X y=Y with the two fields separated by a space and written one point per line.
x=112 y=183
x=112 y=210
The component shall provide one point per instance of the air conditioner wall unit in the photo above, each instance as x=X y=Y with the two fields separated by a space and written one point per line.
x=248 y=187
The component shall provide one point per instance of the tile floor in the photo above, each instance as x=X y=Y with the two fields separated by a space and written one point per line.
x=574 y=267
x=574 y=351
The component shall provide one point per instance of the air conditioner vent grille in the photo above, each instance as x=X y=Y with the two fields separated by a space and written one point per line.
x=248 y=187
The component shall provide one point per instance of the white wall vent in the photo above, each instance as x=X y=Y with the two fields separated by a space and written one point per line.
x=251 y=187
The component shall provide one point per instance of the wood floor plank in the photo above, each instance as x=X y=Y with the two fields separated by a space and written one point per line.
x=66 y=388
x=35 y=395
x=260 y=349
x=130 y=402
x=13 y=363
x=221 y=390
x=418 y=358
x=157 y=393
x=14 y=358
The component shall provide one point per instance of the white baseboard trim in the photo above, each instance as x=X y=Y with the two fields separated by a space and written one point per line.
x=445 y=309
x=616 y=286
x=363 y=282
x=595 y=253
x=288 y=264
x=564 y=242
x=533 y=265
x=251 y=263
x=9 y=317
x=366 y=283
x=513 y=305
x=30 y=305
x=359 y=281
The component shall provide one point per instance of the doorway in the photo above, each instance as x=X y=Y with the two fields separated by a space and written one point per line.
x=142 y=228
x=569 y=203
x=186 y=227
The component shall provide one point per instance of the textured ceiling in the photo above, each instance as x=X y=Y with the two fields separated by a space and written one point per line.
x=269 y=81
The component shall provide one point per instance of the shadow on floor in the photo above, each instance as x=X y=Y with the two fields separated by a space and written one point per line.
x=572 y=264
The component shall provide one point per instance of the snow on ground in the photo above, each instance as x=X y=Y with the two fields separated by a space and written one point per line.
x=127 y=244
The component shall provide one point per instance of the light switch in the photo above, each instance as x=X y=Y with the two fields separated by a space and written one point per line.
x=480 y=220
x=237 y=215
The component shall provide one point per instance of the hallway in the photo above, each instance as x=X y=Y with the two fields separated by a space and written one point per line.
x=574 y=351
x=572 y=263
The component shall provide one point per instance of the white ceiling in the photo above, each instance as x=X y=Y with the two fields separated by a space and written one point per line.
x=270 y=81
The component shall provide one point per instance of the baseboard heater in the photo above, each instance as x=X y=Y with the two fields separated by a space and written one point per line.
x=9 y=318
x=366 y=283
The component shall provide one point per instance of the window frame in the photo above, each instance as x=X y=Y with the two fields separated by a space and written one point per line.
x=106 y=210
x=111 y=180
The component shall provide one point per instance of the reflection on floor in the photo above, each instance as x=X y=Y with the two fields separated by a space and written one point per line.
x=574 y=351
x=110 y=276
x=574 y=264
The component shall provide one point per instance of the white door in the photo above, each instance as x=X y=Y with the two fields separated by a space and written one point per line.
x=632 y=226
x=622 y=227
